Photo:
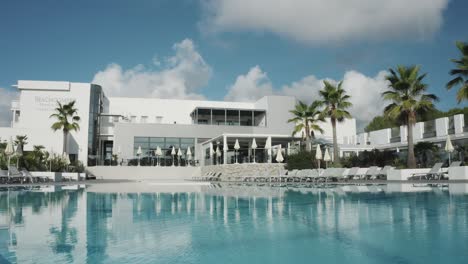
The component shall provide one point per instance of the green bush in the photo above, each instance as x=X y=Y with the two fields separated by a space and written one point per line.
x=301 y=160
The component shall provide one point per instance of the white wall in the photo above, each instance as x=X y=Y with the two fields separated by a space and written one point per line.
x=36 y=107
x=418 y=131
x=404 y=134
x=380 y=137
x=347 y=128
x=172 y=110
x=8 y=132
x=442 y=126
x=362 y=138
x=459 y=123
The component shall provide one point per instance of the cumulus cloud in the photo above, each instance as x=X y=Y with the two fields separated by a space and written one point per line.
x=318 y=21
x=365 y=91
x=6 y=96
x=179 y=76
x=250 y=86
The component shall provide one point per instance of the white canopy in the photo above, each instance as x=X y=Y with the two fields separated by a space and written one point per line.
x=279 y=155
x=139 y=152
x=236 y=145
x=326 y=156
x=189 y=152
x=180 y=153
x=448 y=145
x=318 y=153
x=268 y=147
x=173 y=152
x=10 y=149
x=254 y=144
x=211 y=150
x=158 y=151
x=66 y=158
x=268 y=143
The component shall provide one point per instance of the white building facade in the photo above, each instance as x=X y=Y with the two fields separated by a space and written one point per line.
x=132 y=129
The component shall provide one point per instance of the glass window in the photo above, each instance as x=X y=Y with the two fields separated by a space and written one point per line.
x=144 y=119
x=172 y=142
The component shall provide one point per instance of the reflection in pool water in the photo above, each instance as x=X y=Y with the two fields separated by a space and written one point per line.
x=236 y=224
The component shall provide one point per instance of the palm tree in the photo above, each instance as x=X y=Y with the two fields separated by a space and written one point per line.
x=336 y=102
x=67 y=120
x=306 y=118
x=461 y=73
x=408 y=97
x=20 y=141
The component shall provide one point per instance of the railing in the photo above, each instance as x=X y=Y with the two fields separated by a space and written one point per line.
x=429 y=129
x=151 y=162
x=429 y=134
x=243 y=156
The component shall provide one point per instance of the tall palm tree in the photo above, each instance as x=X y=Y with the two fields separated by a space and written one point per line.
x=306 y=118
x=408 y=97
x=336 y=102
x=67 y=120
x=461 y=72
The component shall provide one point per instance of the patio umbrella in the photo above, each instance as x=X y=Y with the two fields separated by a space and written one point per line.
x=449 y=147
x=139 y=152
x=318 y=155
x=9 y=150
x=279 y=155
x=218 y=154
x=268 y=148
x=326 y=157
x=158 y=153
x=254 y=147
x=173 y=153
x=66 y=159
x=179 y=154
x=189 y=155
x=18 y=154
x=236 y=149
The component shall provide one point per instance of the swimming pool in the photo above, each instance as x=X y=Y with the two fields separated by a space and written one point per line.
x=236 y=224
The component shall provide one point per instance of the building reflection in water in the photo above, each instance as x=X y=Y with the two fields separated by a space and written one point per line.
x=66 y=226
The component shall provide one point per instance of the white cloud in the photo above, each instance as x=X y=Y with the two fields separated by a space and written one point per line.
x=6 y=96
x=179 y=76
x=319 y=21
x=365 y=91
x=250 y=86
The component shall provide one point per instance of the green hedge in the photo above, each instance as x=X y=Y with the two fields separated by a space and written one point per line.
x=301 y=160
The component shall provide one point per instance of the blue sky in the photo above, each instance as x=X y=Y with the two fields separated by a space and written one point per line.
x=210 y=48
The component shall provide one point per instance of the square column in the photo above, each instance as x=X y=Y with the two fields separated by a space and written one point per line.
x=224 y=149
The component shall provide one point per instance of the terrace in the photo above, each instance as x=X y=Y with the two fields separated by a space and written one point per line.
x=229 y=117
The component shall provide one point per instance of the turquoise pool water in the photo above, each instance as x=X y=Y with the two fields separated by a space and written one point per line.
x=236 y=224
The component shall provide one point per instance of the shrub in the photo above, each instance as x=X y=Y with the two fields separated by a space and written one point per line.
x=301 y=160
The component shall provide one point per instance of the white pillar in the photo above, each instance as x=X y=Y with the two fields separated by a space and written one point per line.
x=224 y=150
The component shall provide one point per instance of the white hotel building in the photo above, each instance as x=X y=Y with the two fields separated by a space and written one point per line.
x=120 y=125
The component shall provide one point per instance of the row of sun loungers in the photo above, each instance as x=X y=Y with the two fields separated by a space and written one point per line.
x=435 y=173
x=330 y=174
x=15 y=176
x=307 y=175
